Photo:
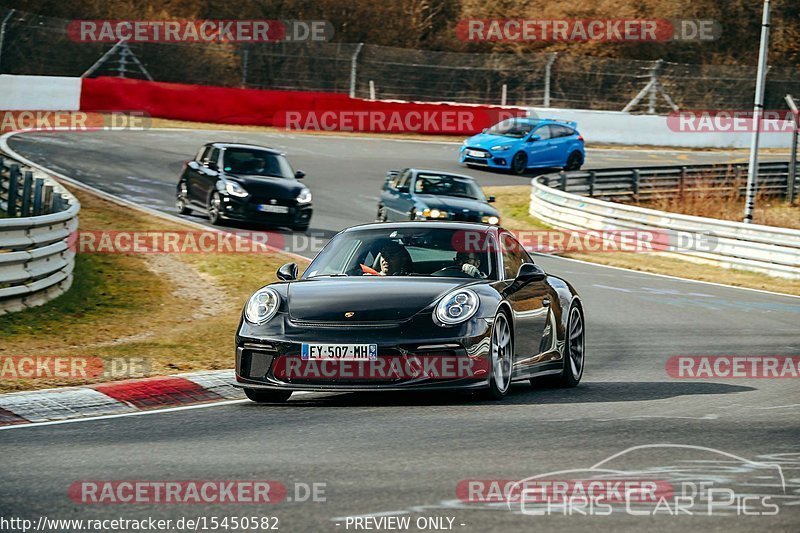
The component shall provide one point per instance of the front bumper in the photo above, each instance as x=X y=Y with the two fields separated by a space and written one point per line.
x=501 y=160
x=261 y=361
x=247 y=209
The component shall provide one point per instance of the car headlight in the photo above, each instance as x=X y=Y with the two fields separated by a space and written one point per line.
x=434 y=213
x=304 y=197
x=233 y=188
x=500 y=148
x=262 y=306
x=457 y=307
x=494 y=221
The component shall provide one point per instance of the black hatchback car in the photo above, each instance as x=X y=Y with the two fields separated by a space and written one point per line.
x=244 y=182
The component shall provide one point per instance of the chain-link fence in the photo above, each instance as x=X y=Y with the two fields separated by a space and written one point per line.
x=33 y=44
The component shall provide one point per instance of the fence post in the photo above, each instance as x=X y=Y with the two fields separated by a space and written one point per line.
x=353 y=61
x=26 y=193
x=372 y=90
x=38 y=187
x=548 y=70
x=563 y=176
x=592 y=176
x=635 y=184
x=503 y=94
x=13 y=181
x=245 y=62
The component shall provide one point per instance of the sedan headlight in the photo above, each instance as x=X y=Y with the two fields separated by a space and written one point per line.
x=494 y=221
x=457 y=307
x=235 y=189
x=434 y=213
x=500 y=148
x=262 y=306
x=304 y=197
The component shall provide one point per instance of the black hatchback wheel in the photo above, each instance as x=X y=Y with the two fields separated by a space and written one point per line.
x=215 y=209
x=519 y=164
x=267 y=396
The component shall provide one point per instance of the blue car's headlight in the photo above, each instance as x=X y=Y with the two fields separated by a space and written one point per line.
x=262 y=306
x=456 y=307
x=500 y=148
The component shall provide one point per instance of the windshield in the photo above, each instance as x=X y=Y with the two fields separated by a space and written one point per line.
x=255 y=162
x=511 y=128
x=412 y=251
x=444 y=185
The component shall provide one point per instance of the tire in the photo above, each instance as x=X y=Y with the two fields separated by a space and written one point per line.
x=181 y=205
x=267 y=396
x=501 y=353
x=574 y=161
x=519 y=163
x=381 y=216
x=215 y=209
x=574 y=349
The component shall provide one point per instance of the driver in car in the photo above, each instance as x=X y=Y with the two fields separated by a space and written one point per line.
x=394 y=260
x=467 y=262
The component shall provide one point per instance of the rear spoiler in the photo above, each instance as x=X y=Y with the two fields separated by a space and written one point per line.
x=571 y=123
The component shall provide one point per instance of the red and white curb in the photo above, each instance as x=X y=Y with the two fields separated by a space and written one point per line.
x=118 y=397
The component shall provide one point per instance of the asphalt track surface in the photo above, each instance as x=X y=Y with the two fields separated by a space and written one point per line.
x=390 y=455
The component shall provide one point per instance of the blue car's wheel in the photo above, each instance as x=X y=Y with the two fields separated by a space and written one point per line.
x=574 y=161
x=519 y=164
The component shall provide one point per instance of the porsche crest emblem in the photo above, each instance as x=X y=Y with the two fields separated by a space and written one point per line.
x=349 y=314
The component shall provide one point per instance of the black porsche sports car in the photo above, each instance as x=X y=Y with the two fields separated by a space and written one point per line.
x=409 y=306
x=244 y=182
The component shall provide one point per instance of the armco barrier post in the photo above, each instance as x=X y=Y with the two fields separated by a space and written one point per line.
x=563 y=176
x=682 y=184
x=38 y=187
x=13 y=182
x=47 y=199
x=592 y=176
x=635 y=184
x=27 y=183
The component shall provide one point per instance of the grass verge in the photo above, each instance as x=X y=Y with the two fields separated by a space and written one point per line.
x=513 y=204
x=178 y=312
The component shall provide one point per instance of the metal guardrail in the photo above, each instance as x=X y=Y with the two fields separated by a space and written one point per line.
x=670 y=181
x=37 y=217
x=766 y=249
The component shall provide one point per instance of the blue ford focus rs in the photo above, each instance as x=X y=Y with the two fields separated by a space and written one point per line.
x=521 y=143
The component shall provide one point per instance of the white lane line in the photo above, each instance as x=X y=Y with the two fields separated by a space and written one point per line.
x=137 y=413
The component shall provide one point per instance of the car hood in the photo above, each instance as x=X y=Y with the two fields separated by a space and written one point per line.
x=456 y=203
x=370 y=298
x=485 y=140
x=265 y=186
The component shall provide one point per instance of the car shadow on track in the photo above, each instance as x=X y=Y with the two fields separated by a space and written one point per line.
x=524 y=394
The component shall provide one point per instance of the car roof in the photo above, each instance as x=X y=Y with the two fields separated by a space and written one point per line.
x=247 y=146
x=536 y=121
x=474 y=226
x=418 y=171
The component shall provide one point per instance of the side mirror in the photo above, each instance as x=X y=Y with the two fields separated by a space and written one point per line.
x=299 y=175
x=212 y=165
x=529 y=272
x=491 y=199
x=404 y=188
x=287 y=272
x=194 y=165
x=484 y=130
x=534 y=138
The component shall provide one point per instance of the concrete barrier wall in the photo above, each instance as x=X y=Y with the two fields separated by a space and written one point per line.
x=39 y=93
x=615 y=127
